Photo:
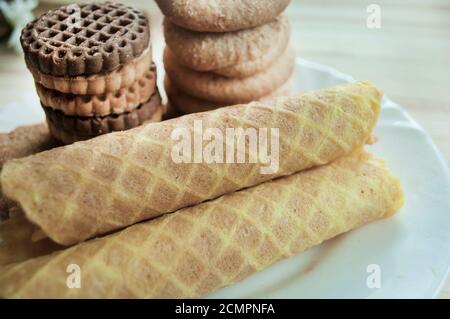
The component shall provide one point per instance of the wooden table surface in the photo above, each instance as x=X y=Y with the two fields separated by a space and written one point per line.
x=408 y=57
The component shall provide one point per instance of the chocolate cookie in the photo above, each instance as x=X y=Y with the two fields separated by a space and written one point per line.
x=85 y=39
x=69 y=129
x=101 y=83
x=123 y=100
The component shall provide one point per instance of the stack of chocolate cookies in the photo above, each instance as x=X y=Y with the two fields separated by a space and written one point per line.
x=221 y=53
x=93 y=69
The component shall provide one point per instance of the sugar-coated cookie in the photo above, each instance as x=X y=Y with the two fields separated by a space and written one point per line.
x=219 y=89
x=221 y=15
x=186 y=104
x=239 y=53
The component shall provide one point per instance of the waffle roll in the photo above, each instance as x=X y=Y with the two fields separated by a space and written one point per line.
x=92 y=187
x=200 y=249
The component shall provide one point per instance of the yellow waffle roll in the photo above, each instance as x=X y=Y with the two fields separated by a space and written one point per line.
x=202 y=248
x=92 y=187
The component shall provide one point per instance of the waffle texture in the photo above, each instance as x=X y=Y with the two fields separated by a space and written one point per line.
x=100 y=83
x=219 y=15
x=124 y=100
x=85 y=39
x=235 y=54
x=200 y=249
x=92 y=187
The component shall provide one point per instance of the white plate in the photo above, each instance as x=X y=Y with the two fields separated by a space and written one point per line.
x=412 y=248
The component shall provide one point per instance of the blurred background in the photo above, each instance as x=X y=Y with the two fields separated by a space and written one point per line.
x=407 y=54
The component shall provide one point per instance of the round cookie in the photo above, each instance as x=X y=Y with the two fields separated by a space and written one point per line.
x=248 y=68
x=186 y=104
x=69 y=129
x=218 y=89
x=97 y=84
x=221 y=15
x=85 y=39
x=124 y=100
x=245 y=52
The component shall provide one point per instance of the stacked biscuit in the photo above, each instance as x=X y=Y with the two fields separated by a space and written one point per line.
x=221 y=53
x=93 y=69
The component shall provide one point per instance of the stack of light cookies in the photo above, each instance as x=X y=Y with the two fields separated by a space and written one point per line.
x=93 y=69
x=221 y=53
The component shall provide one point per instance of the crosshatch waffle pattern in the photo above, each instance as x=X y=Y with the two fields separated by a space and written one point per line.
x=85 y=39
x=200 y=249
x=92 y=187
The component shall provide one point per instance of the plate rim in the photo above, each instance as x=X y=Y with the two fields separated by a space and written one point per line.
x=410 y=121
